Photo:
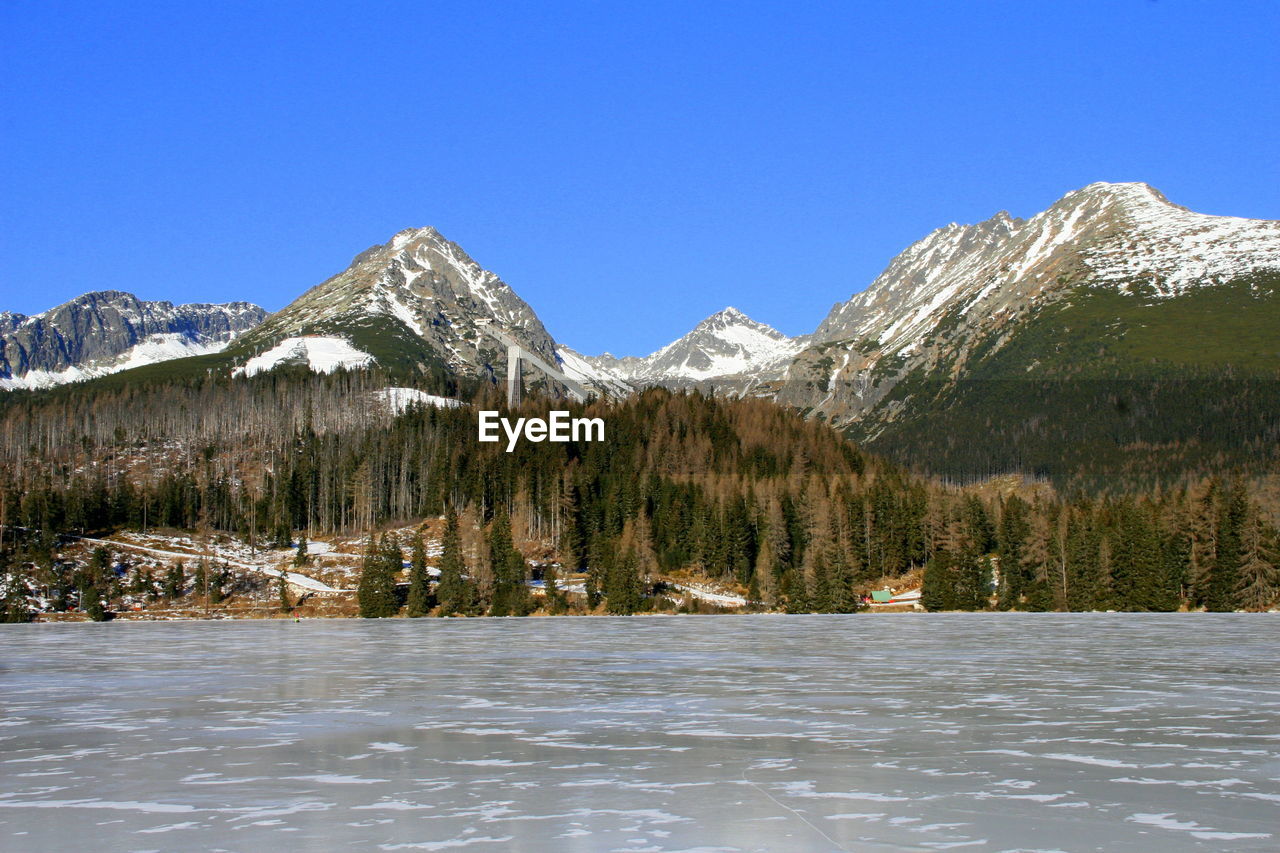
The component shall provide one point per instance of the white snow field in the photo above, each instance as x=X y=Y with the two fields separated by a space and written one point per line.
x=153 y=350
x=323 y=354
x=400 y=399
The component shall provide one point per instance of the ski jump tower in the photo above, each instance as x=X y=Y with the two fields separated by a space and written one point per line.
x=516 y=354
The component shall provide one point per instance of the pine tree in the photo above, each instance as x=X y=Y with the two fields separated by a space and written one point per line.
x=91 y=604
x=13 y=586
x=1038 y=558
x=510 y=592
x=174 y=581
x=302 y=558
x=282 y=590
x=623 y=595
x=1259 y=584
x=1203 y=535
x=376 y=592
x=453 y=590
x=1224 y=582
x=938 y=589
x=1138 y=571
x=765 y=581
x=1011 y=533
x=217 y=578
x=200 y=579
x=418 y=602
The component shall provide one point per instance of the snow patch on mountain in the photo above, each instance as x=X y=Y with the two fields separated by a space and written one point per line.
x=153 y=350
x=400 y=399
x=321 y=353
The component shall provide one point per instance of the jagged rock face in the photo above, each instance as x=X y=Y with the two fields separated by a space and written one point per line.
x=105 y=331
x=428 y=287
x=965 y=284
x=727 y=351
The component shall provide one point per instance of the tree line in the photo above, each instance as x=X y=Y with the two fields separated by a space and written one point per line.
x=741 y=491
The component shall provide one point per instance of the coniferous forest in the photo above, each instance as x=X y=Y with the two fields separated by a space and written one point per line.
x=741 y=493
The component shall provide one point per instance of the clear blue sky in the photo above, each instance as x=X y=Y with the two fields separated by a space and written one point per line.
x=628 y=168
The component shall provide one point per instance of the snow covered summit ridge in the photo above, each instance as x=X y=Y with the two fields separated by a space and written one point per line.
x=726 y=344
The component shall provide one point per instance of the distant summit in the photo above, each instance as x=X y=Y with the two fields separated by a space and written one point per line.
x=108 y=331
x=728 y=349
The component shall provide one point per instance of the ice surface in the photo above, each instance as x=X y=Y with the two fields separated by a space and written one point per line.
x=1116 y=732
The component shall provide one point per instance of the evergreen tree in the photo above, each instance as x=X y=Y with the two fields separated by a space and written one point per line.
x=302 y=558
x=418 y=602
x=376 y=592
x=1259 y=584
x=510 y=592
x=937 y=592
x=91 y=603
x=282 y=590
x=13 y=592
x=1224 y=584
x=453 y=590
x=1139 y=579
x=1013 y=530
x=958 y=581
x=623 y=592
x=174 y=581
x=217 y=576
x=764 y=581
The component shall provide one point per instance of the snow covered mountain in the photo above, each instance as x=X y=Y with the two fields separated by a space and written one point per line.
x=965 y=294
x=728 y=351
x=109 y=331
x=412 y=303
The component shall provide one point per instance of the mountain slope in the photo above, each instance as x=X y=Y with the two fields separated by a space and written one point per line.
x=410 y=304
x=1111 y=283
x=109 y=331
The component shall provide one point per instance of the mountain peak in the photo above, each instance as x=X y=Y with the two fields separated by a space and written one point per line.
x=420 y=289
x=412 y=235
x=729 y=316
x=1101 y=195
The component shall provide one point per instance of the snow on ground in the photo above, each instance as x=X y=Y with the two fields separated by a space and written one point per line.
x=323 y=354
x=400 y=399
x=157 y=348
x=223 y=555
x=705 y=593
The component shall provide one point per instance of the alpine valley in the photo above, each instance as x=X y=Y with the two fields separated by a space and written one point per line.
x=1096 y=389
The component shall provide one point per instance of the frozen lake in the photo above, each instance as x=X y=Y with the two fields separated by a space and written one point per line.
x=813 y=733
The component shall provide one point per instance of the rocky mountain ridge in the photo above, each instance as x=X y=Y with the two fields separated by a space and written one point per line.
x=108 y=331
x=727 y=351
x=968 y=289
